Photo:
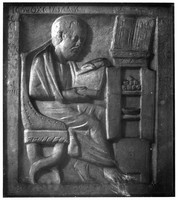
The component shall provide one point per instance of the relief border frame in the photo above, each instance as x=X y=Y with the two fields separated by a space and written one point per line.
x=165 y=89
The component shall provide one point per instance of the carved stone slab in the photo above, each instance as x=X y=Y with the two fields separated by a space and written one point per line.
x=88 y=100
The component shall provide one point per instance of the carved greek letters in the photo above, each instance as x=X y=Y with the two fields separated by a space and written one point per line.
x=12 y=89
x=45 y=9
x=80 y=9
x=13 y=55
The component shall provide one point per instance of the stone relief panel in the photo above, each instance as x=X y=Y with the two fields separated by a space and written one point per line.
x=63 y=107
x=84 y=85
x=69 y=108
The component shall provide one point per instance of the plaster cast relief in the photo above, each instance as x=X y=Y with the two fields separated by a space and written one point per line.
x=88 y=100
x=77 y=110
x=61 y=92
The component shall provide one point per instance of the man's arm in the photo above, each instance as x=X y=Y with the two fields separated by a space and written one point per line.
x=83 y=93
x=77 y=95
x=82 y=78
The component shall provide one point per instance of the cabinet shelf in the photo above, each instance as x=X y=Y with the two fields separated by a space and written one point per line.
x=131 y=93
x=131 y=117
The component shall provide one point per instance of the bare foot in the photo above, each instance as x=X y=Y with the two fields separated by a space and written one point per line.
x=117 y=180
x=112 y=174
x=126 y=177
x=119 y=188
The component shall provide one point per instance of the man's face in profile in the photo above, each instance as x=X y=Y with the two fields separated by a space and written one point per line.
x=72 y=43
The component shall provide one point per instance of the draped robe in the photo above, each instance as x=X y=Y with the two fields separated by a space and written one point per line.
x=48 y=78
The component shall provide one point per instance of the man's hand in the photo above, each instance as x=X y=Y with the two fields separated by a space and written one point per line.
x=101 y=62
x=76 y=94
x=94 y=65
x=82 y=91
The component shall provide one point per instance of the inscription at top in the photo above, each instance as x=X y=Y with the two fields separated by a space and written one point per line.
x=45 y=9
x=82 y=9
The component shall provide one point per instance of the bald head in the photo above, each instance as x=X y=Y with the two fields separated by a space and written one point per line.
x=66 y=25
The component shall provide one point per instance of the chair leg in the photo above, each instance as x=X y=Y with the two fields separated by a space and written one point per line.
x=46 y=163
x=34 y=152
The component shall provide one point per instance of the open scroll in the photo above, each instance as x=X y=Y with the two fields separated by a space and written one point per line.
x=91 y=75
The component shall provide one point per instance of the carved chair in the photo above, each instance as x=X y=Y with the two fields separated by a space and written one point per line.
x=38 y=129
x=45 y=129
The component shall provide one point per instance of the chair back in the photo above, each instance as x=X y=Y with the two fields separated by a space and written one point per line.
x=31 y=119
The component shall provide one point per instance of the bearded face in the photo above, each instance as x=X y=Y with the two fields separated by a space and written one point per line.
x=71 y=44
